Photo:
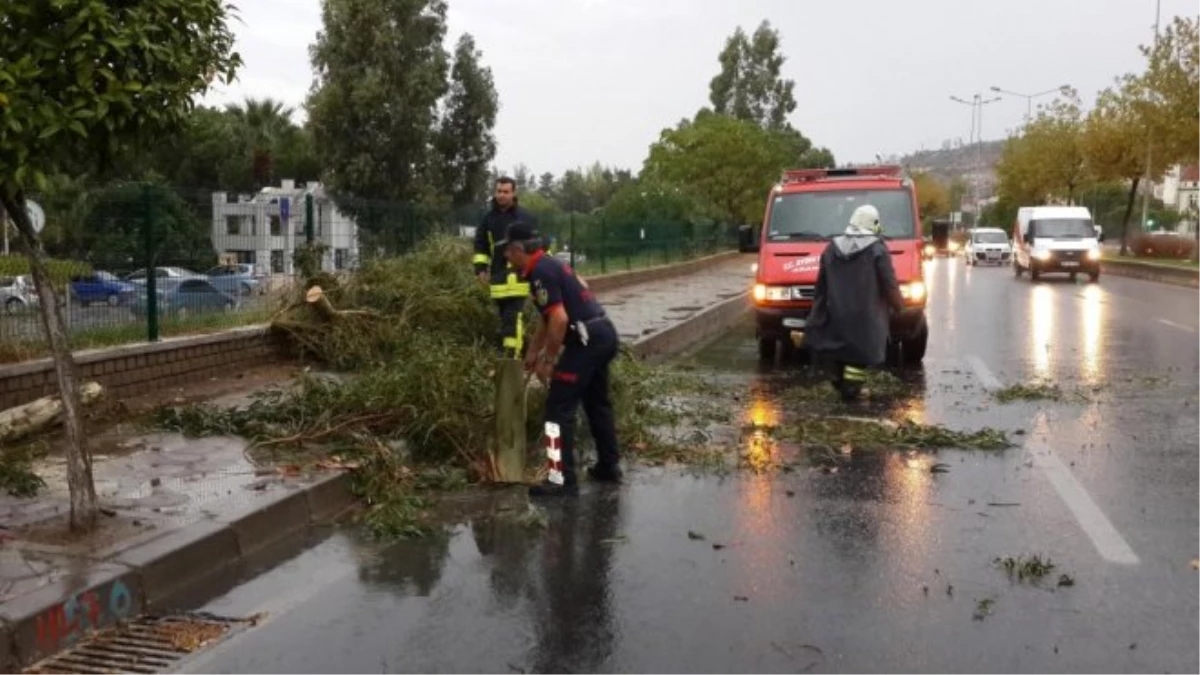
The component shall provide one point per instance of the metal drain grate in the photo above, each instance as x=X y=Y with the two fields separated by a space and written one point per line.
x=145 y=645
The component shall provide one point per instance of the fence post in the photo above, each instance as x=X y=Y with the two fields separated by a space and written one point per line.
x=151 y=277
x=603 y=244
x=572 y=236
x=309 y=229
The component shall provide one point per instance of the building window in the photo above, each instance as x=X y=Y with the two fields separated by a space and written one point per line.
x=276 y=226
x=233 y=225
x=339 y=258
x=243 y=257
x=277 y=261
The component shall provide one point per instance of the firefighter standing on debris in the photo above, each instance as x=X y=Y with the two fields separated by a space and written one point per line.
x=856 y=291
x=507 y=289
x=572 y=352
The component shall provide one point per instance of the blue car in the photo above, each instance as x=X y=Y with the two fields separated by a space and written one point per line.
x=187 y=297
x=101 y=287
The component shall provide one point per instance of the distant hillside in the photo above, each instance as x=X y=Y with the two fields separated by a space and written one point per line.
x=950 y=162
x=955 y=160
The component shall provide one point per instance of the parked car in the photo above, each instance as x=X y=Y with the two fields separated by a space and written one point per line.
x=17 y=294
x=988 y=245
x=101 y=287
x=185 y=297
x=162 y=274
x=238 y=279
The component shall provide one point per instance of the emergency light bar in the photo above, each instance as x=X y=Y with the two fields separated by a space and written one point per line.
x=810 y=175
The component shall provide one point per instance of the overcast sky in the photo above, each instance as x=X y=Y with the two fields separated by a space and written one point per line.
x=597 y=80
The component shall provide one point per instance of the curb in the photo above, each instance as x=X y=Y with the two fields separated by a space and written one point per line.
x=1173 y=276
x=704 y=325
x=171 y=571
x=615 y=280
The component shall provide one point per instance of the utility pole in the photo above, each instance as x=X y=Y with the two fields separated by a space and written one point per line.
x=1148 y=187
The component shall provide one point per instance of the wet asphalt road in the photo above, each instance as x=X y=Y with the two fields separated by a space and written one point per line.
x=881 y=566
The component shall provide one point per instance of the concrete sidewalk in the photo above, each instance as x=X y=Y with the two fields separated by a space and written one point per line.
x=186 y=519
x=647 y=308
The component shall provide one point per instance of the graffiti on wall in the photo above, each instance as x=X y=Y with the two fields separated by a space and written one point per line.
x=91 y=609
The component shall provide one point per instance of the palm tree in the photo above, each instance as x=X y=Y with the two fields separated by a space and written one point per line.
x=264 y=124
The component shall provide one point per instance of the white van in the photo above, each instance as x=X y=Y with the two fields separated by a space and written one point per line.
x=1056 y=239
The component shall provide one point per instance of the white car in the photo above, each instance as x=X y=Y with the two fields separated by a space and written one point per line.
x=17 y=294
x=988 y=246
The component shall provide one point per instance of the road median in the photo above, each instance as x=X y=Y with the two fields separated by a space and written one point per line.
x=1149 y=271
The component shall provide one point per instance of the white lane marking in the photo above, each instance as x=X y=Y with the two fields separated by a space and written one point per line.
x=986 y=378
x=1108 y=542
x=1180 y=326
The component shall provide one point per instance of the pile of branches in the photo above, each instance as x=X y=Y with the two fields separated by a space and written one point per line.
x=409 y=341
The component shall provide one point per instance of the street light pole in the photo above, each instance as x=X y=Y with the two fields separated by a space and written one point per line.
x=1029 y=97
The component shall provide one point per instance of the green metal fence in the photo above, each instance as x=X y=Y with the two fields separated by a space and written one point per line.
x=136 y=261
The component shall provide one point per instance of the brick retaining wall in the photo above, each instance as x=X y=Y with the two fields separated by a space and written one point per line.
x=144 y=367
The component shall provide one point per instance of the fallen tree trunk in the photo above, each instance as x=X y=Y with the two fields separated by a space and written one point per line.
x=318 y=300
x=23 y=420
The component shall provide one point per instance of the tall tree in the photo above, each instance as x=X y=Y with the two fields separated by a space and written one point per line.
x=85 y=78
x=750 y=85
x=1046 y=161
x=263 y=125
x=465 y=143
x=573 y=194
x=1121 y=134
x=1172 y=78
x=380 y=72
x=732 y=163
x=546 y=185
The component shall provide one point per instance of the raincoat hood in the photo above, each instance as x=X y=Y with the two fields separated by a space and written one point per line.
x=854 y=241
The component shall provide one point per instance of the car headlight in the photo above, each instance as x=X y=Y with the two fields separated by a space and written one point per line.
x=1093 y=254
x=913 y=292
x=1043 y=254
x=953 y=246
x=763 y=292
x=929 y=249
x=754 y=268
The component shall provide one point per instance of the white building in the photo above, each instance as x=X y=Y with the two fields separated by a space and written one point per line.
x=265 y=229
x=1180 y=190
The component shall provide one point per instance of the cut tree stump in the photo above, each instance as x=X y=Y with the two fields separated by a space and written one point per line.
x=510 y=421
x=23 y=420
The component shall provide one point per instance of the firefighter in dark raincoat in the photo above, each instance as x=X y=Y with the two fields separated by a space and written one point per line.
x=855 y=295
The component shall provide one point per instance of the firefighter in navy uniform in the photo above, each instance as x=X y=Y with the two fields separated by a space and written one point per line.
x=503 y=280
x=855 y=295
x=572 y=352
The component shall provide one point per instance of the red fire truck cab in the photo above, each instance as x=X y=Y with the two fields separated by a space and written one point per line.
x=804 y=211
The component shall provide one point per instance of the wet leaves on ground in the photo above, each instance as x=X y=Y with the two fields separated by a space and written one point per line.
x=1029 y=392
x=983 y=609
x=1031 y=568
